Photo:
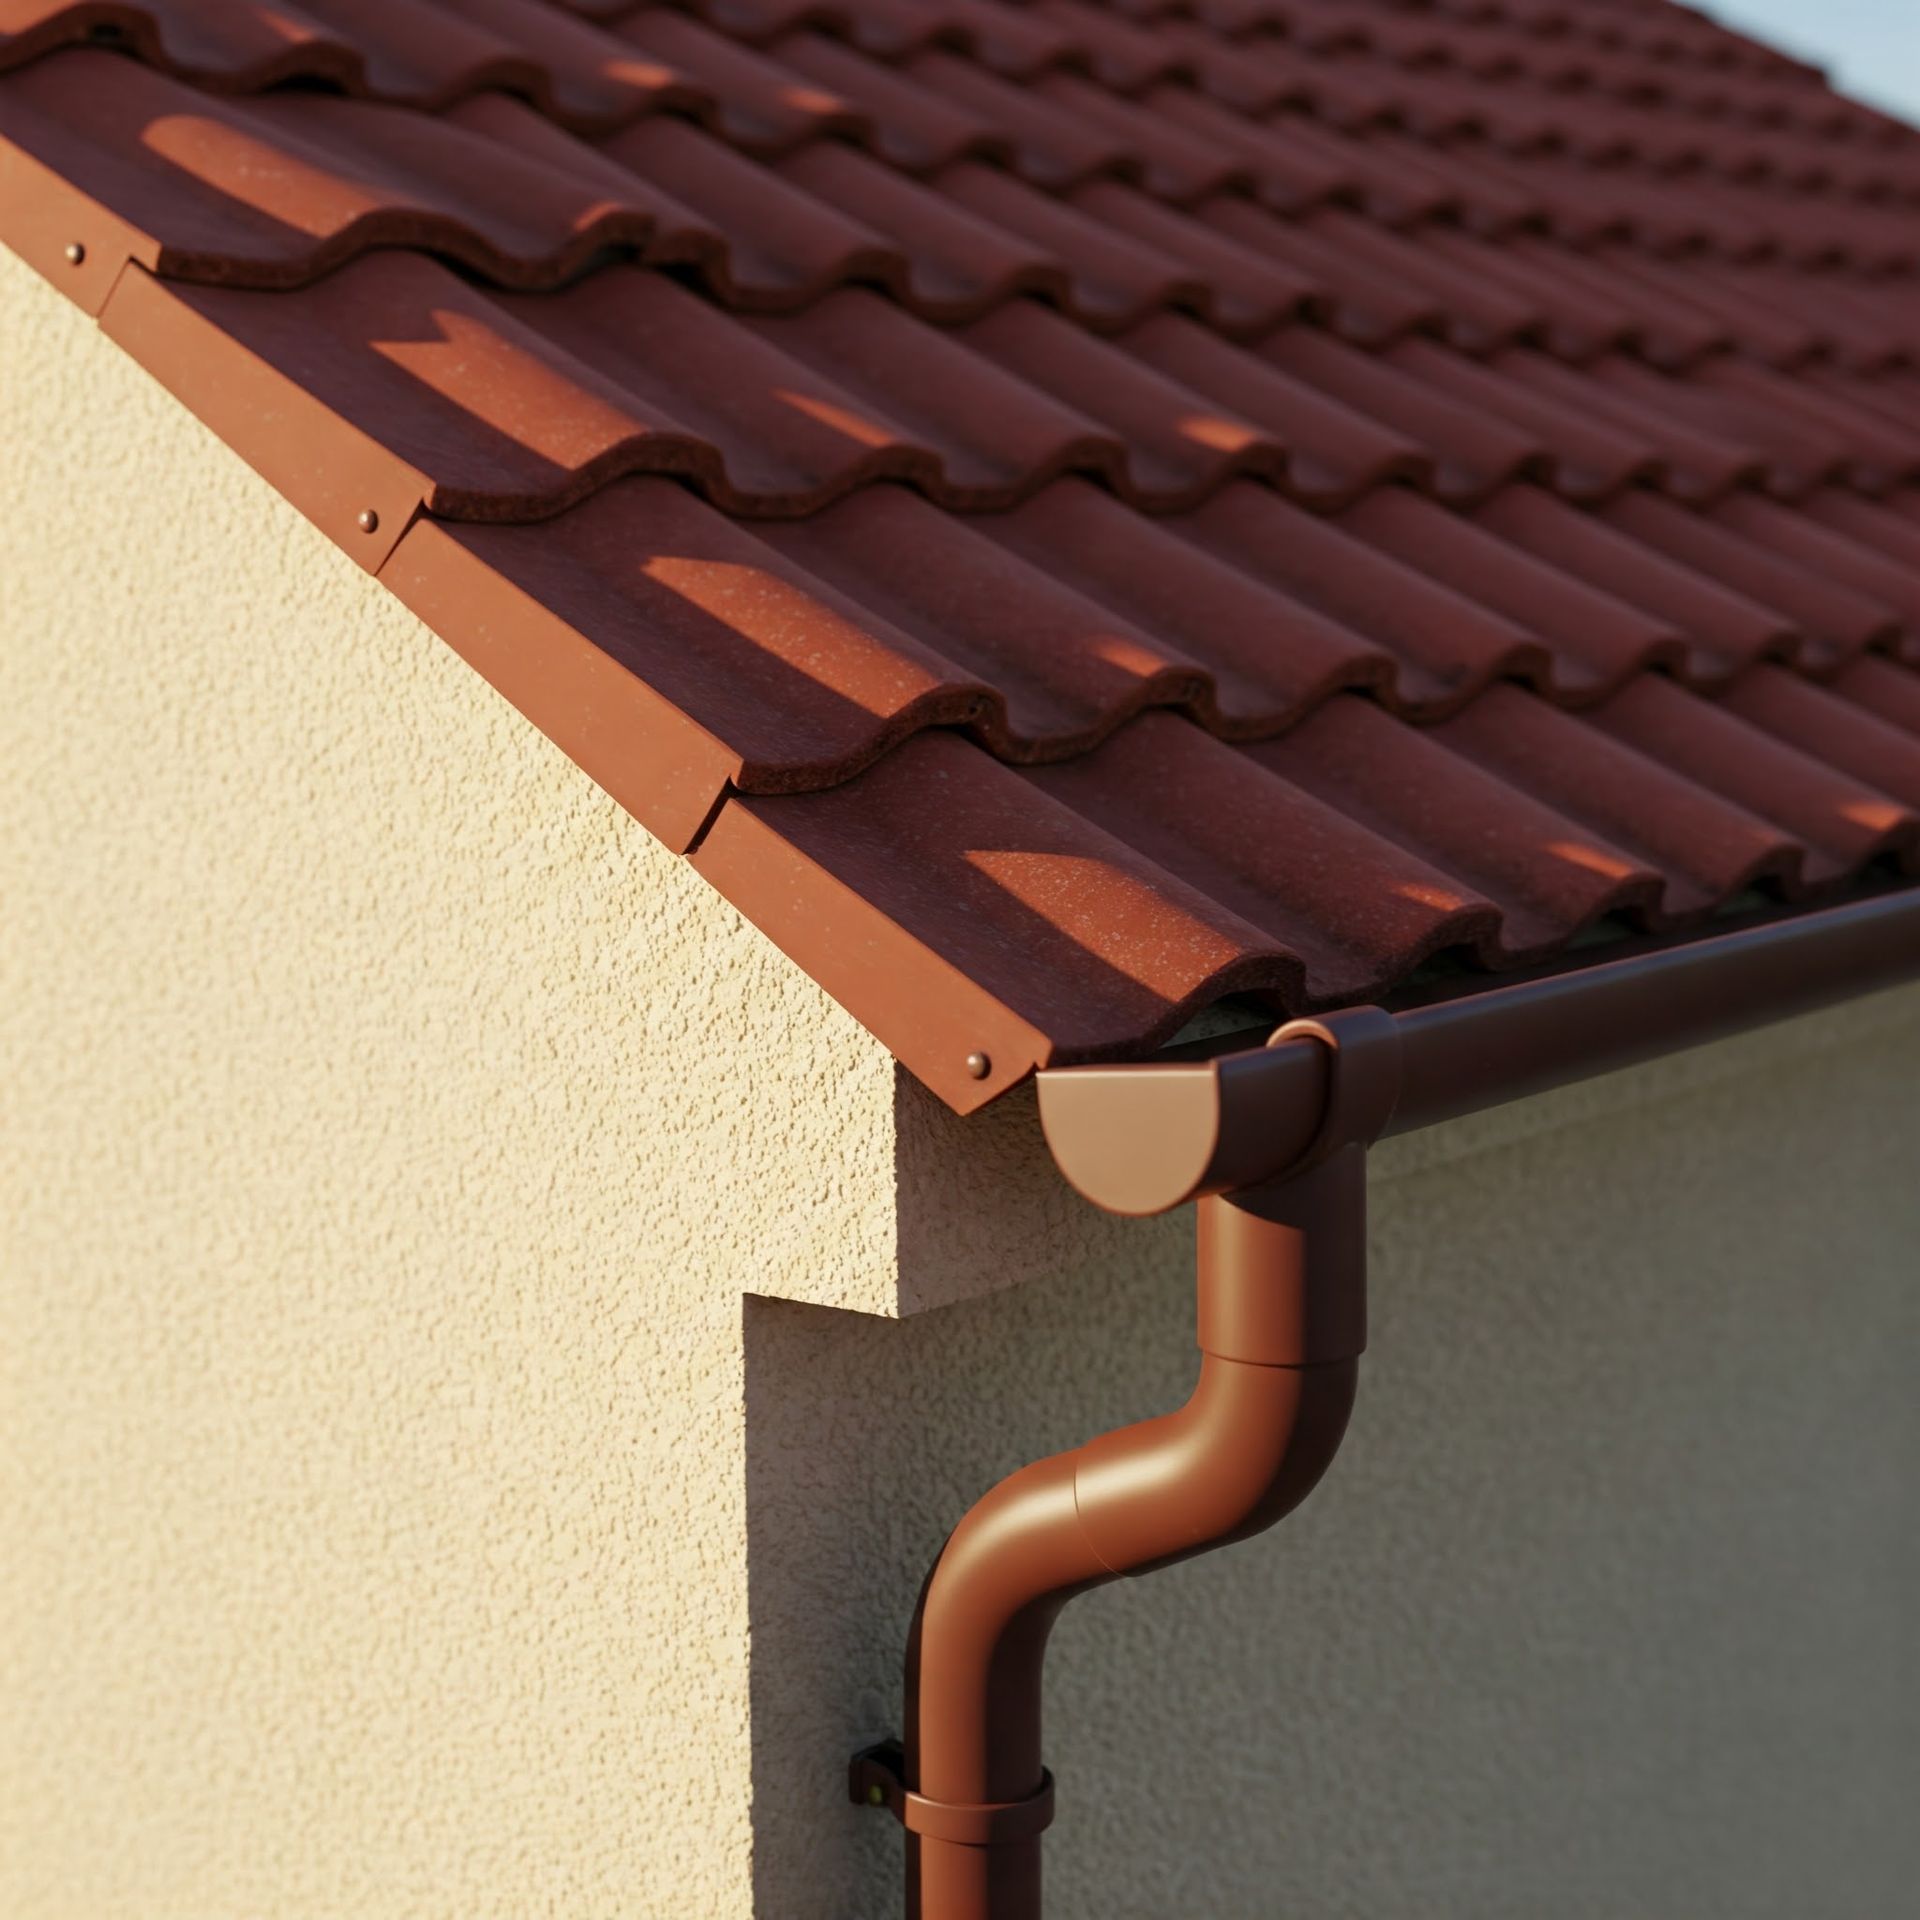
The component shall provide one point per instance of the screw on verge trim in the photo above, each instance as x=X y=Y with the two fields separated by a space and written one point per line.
x=368 y=521
x=979 y=1065
x=76 y=253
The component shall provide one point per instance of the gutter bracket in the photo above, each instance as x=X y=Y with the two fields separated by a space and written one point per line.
x=877 y=1777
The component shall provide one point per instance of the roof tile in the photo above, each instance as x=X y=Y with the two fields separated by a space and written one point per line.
x=1068 y=511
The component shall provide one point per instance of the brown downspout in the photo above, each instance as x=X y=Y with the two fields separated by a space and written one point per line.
x=1272 y=1143
x=1282 y=1323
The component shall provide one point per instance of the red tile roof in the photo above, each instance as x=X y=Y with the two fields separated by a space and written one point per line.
x=1067 y=512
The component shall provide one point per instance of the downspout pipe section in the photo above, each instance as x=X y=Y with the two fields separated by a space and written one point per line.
x=1281 y=1325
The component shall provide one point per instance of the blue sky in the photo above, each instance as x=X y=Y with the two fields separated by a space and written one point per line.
x=1870 y=47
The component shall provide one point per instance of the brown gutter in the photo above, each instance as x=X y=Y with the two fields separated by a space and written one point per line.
x=1142 y=1139
x=1272 y=1142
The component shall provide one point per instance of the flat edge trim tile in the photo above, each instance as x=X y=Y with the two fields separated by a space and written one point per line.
x=63 y=234
x=345 y=482
x=928 y=1013
x=664 y=769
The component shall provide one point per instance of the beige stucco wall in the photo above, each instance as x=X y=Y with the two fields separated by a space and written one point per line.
x=372 y=1234
x=417 y=1503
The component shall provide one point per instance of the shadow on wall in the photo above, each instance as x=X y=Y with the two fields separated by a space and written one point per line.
x=979 y=1204
x=866 y=1440
x=1606 y=1608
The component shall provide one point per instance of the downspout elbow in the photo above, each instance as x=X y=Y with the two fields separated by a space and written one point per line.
x=1245 y=1450
x=1249 y=1445
x=1281 y=1326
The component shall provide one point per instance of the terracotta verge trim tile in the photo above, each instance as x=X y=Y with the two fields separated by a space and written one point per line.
x=663 y=768
x=921 y=1007
x=45 y=219
x=346 y=483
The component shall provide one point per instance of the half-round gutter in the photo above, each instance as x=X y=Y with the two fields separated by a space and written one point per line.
x=1272 y=1143
x=1143 y=1139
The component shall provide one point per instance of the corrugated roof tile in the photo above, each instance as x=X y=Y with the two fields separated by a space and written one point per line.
x=1077 y=508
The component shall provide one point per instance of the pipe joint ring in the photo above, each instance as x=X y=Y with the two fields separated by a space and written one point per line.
x=1363 y=1076
x=877 y=1779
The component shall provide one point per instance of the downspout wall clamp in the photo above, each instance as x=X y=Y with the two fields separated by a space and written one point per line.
x=877 y=1778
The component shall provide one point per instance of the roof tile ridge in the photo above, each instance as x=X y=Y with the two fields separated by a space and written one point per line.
x=702 y=105
x=519 y=72
x=51 y=198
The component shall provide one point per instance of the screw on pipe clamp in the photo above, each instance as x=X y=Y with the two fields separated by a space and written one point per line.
x=876 y=1777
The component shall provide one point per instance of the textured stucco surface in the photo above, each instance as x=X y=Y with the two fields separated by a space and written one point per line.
x=408 y=1513
x=378 y=1184
x=1607 y=1608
